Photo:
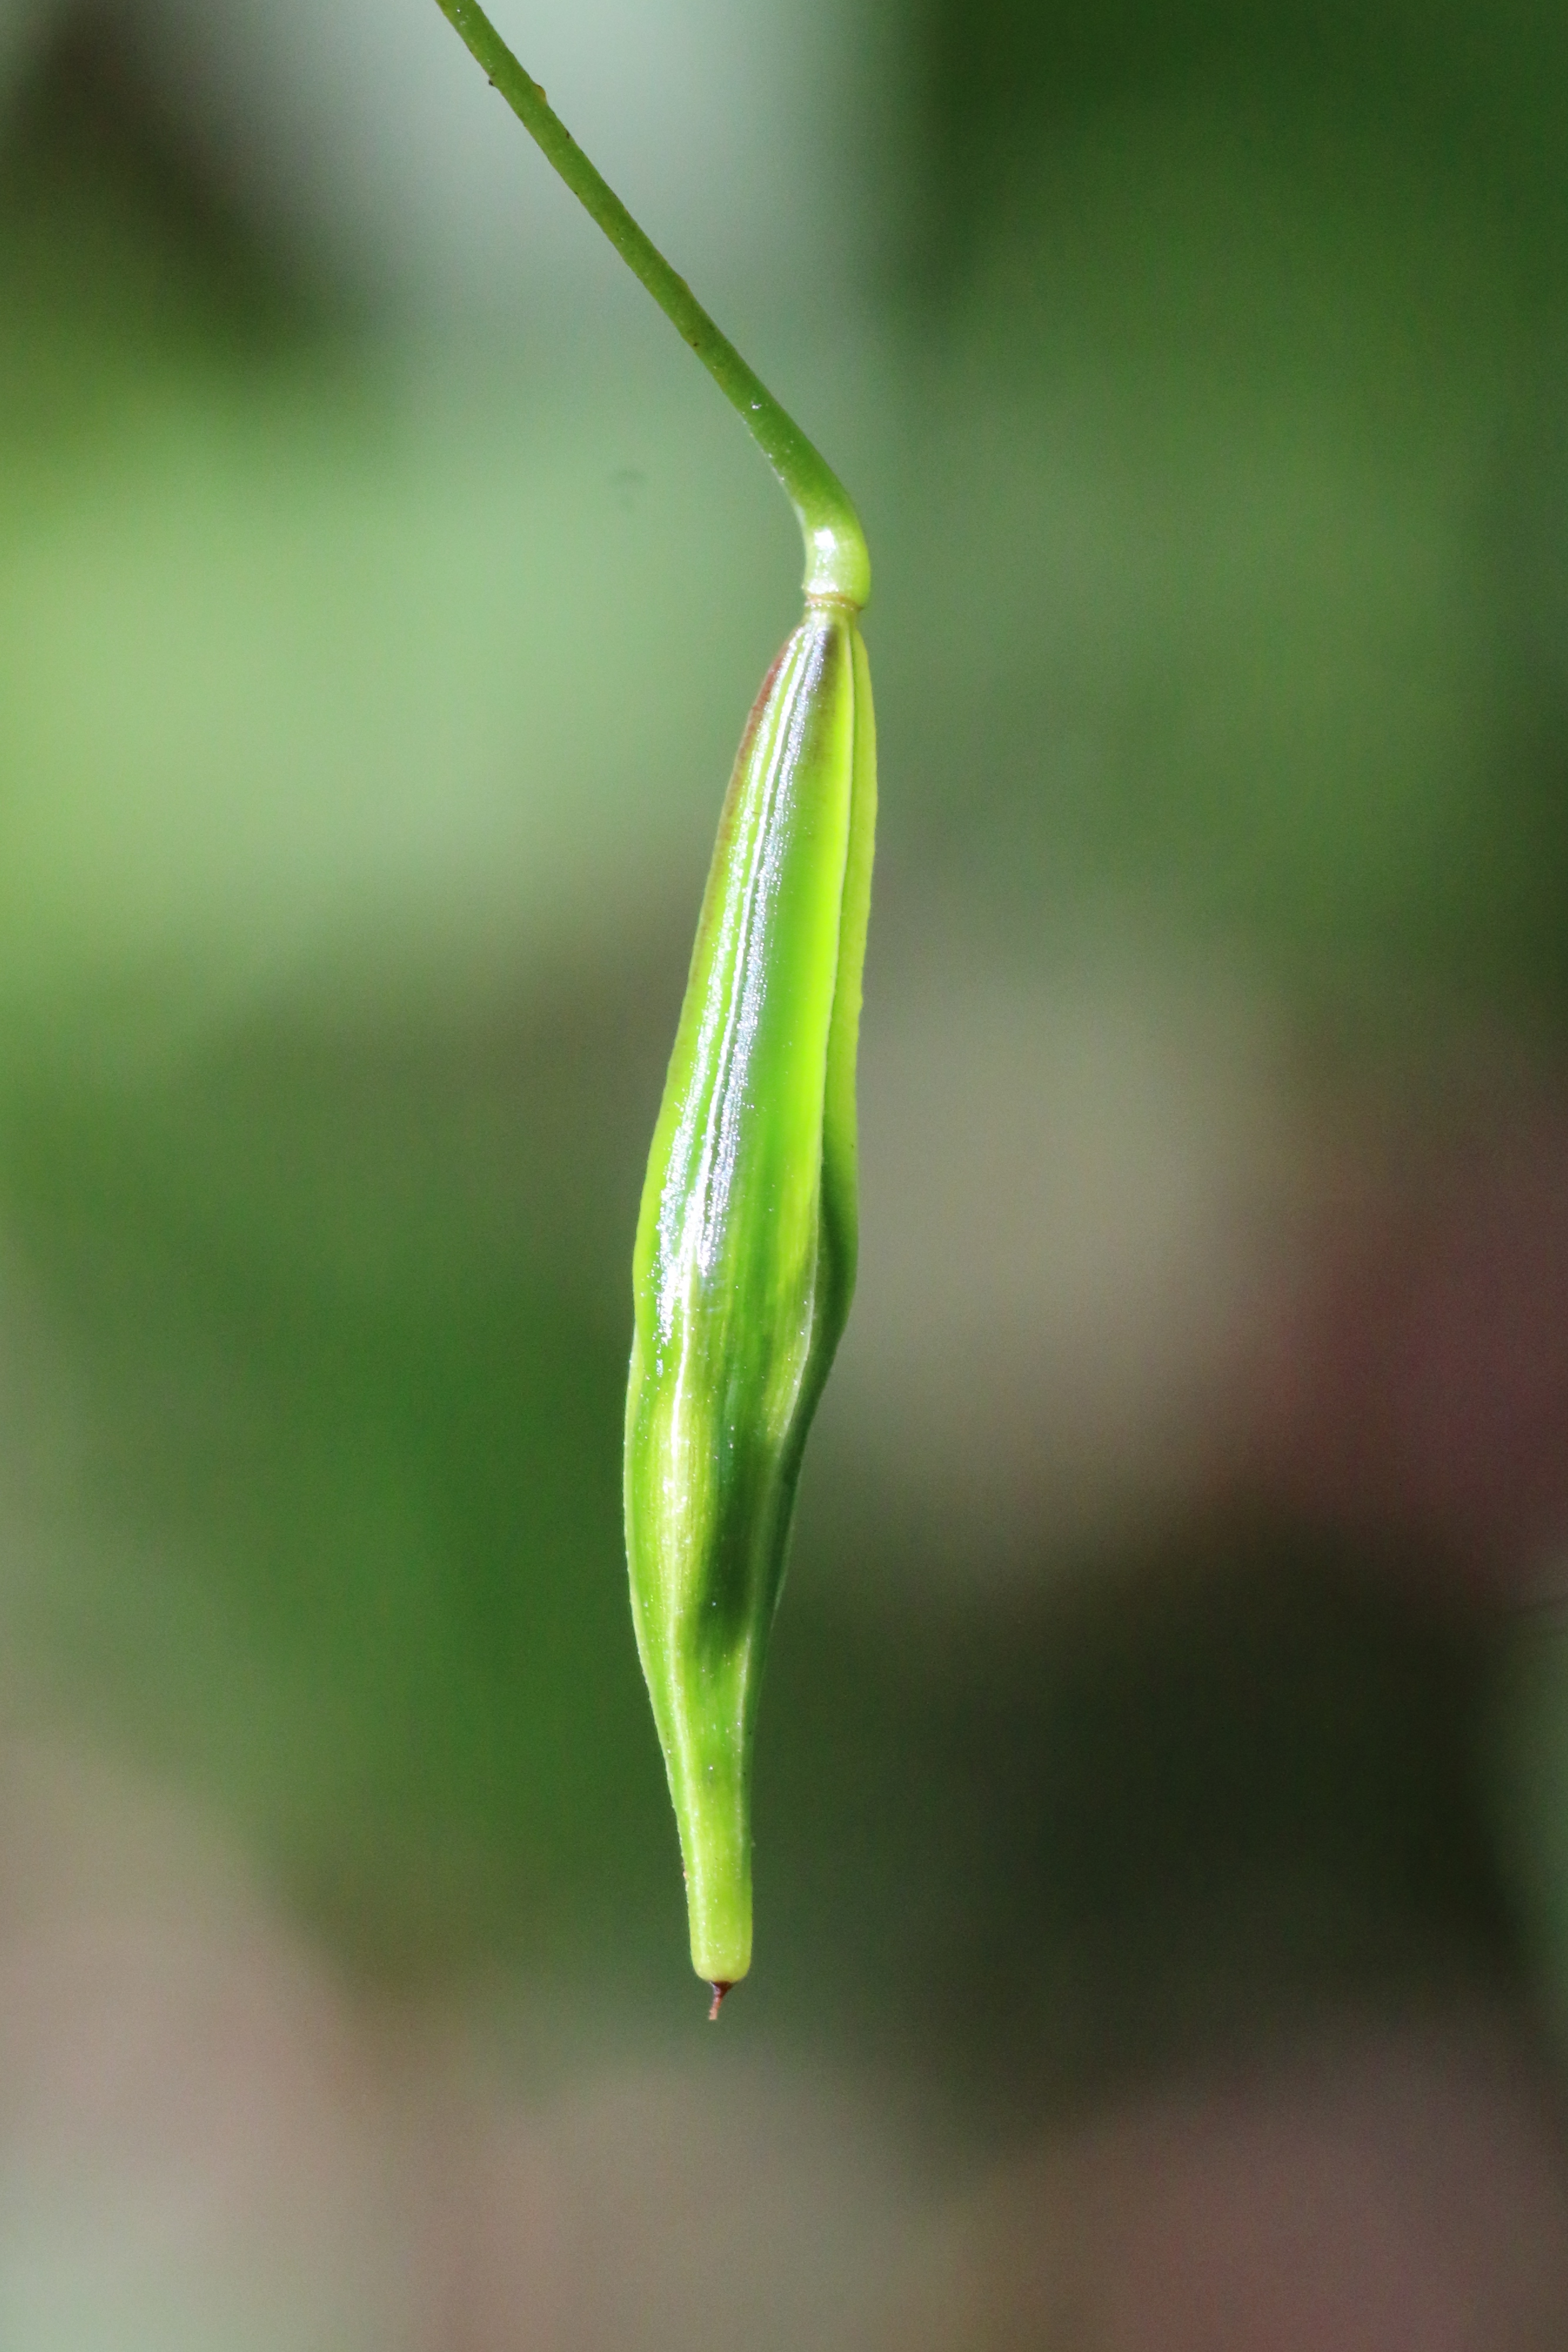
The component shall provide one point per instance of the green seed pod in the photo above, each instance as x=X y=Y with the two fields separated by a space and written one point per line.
x=746 y=1244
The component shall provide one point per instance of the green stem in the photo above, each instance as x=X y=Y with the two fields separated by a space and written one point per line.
x=837 y=565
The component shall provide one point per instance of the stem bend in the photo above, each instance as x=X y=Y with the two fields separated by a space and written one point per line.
x=838 y=567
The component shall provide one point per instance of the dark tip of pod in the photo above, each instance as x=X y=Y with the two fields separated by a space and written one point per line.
x=719 y=1989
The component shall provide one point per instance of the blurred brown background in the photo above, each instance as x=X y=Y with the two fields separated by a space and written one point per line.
x=1163 y=1788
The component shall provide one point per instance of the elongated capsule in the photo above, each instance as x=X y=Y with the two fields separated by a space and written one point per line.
x=744 y=1258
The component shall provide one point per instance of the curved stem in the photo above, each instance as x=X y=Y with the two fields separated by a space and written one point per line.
x=838 y=567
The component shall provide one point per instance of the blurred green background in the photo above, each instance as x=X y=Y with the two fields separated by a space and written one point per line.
x=378 y=612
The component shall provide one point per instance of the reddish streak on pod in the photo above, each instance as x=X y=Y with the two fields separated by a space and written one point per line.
x=719 y=1989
